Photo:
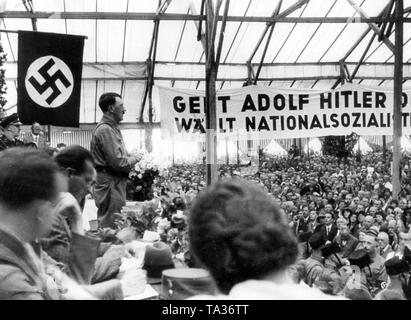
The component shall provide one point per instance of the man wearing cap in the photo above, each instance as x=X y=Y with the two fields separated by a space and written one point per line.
x=313 y=266
x=11 y=131
x=397 y=269
x=376 y=274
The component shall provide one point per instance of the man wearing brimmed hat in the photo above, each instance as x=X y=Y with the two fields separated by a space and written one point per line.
x=10 y=126
x=313 y=266
x=397 y=270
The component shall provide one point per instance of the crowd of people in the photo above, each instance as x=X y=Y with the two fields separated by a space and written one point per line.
x=292 y=227
x=342 y=213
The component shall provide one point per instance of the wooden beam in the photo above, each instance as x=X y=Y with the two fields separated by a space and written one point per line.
x=122 y=126
x=211 y=113
x=211 y=38
x=372 y=25
x=8 y=31
x=343 y=76
x=199 y=25
x=221 y=37
x=398 y=72
x=182 y=17
x=289 y=78
x=230 y=64
x=386 y=8
x=276 y=12
x=386 y=14
x=357 y=67
x=162 y=7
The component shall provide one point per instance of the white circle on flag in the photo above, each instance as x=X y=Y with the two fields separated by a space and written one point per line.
x=49 y=82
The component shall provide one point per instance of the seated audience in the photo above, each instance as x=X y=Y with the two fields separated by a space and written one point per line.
x=243 y=239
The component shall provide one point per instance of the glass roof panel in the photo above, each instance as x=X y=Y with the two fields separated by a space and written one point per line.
x=189 y=49
x=88 y=102
x=48 y=5
x=110 y=40
x=321 y=42
x=168 y=37
x=14 y=24
x=143 y=5
x=111 y=6
x=296 y=42
x=303 y=84
x=81 y=5
x=345 y=41
x=86 y=28
x=11 y=95
x=15 y=5
x=324 y=84
x=9 y=42
x=133 y=97
x=54 y=26
x=138 y=39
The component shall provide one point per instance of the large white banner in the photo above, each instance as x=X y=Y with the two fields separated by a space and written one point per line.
x=271 y=113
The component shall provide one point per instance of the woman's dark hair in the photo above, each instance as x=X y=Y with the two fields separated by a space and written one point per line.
x=406 y=217
x=26 y=175
x=349 y=218
x=238 y=233
x=30 y=145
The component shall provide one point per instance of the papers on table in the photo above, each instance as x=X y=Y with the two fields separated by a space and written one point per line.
x=149 y=292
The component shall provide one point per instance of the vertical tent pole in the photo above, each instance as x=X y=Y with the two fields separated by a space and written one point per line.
x=226 y=151
x=211 y=115
x=398 y=73
x=308 y=150
x=384 y=146
x=49 y=134
x=238 y=150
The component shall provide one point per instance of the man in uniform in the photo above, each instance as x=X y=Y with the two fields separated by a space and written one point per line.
x=113 y=163
x=376 y=274
x=11 y=131
x=313 y=266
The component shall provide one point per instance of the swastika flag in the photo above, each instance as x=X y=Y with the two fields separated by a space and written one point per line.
x=49 y=78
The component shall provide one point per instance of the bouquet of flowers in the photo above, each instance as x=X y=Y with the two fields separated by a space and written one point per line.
x=139 y=217
x=141 y=178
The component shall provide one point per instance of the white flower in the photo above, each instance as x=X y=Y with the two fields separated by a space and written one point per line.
x=140 y=176
x=163 y=225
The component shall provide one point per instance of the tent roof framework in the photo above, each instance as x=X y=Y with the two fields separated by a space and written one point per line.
x=132 y=45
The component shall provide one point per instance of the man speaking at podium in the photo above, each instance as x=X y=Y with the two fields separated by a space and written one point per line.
x=113 y=163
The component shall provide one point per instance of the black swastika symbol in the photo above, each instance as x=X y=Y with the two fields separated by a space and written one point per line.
x=50 y=81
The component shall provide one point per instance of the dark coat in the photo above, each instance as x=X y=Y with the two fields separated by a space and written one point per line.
x=348 y=246
x=77 y=253
x=332 y=234
x=6 y=143
x=41 y=143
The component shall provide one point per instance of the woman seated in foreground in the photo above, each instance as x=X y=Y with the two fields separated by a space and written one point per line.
x=240 y=235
